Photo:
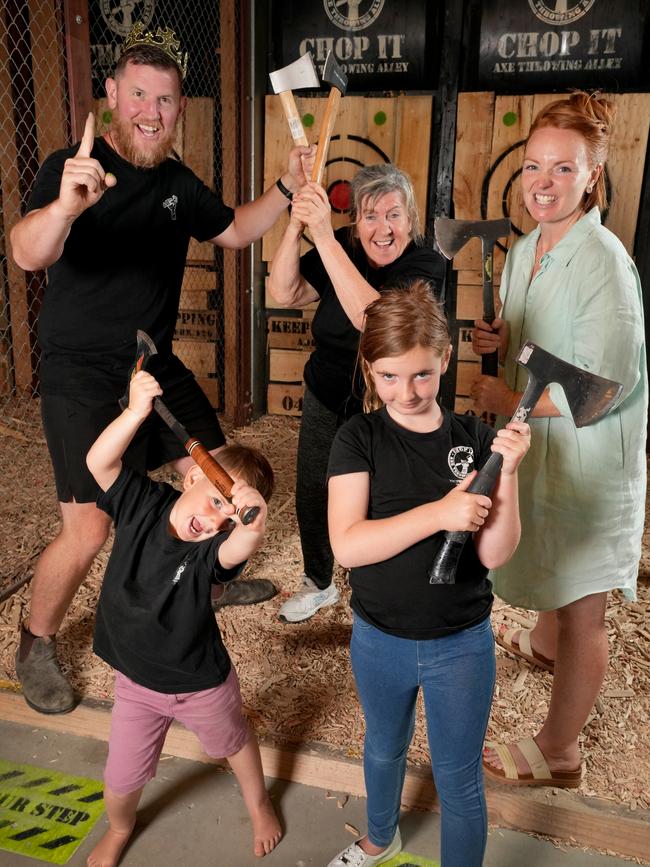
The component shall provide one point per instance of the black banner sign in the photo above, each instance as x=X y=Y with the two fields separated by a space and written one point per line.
x=380 y=44
x=195 y=23
x=554 y=44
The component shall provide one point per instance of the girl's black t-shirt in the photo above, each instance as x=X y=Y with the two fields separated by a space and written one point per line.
x=408 y=469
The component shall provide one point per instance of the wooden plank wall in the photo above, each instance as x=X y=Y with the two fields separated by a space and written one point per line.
x=368 y=130
x=489 y=139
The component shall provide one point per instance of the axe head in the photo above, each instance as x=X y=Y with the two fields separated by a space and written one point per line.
x=333 y=73
x=145 y=348
x=589 y=396
x=296 y=76
x=452 y=235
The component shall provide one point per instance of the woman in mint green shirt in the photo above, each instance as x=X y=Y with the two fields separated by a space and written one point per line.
x=570 y=287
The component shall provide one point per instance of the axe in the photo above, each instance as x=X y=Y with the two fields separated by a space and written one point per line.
x=589 y=396
x=213 y=470
x=452 y=235
x=299 y=74
x=332 y=74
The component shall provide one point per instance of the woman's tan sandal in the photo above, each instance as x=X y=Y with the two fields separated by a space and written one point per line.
x=539 y=775
x=523 y=649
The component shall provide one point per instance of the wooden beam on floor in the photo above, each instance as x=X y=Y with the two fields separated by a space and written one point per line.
x=559 y=814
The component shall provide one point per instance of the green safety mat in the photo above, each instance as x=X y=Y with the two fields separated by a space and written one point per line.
x=45 y=814
x=405 y=859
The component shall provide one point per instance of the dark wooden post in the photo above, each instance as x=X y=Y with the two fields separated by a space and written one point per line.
x=77 y=44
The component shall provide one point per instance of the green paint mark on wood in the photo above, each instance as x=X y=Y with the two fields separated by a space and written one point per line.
x=509 y=118
x=380 y=118
x=308 y=120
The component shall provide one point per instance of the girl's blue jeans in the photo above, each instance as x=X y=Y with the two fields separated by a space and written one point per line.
x=456 y=674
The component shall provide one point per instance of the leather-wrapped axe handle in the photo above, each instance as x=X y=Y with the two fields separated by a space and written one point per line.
x=211 y=467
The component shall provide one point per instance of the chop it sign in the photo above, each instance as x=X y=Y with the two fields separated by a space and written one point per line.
x=380 y=44
x=560 y=43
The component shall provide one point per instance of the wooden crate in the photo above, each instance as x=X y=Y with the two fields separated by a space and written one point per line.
x=284 y=398
x=289 y=332
x=287 y=365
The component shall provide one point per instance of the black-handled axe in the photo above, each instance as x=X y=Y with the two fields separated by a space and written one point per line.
x=451 y=236
x=334 y=76
x=589 y=396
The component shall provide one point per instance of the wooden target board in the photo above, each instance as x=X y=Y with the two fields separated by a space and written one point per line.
x=490 y=135
x=368 y=131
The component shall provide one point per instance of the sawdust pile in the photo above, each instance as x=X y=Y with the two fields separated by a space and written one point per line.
x=296 y=679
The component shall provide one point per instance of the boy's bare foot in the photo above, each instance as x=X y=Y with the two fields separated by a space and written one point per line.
x=267 y=832
x=107 y=852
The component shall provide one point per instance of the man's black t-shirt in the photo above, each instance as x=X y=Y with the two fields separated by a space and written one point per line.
x=330 y=368
x=408 y=469
x=121 y=269
x=154 y=621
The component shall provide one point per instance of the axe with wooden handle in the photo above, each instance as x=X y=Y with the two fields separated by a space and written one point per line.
x=589 y=396
x=297 y=75
x=213 y=470
x=452 y=235
x=332 y=74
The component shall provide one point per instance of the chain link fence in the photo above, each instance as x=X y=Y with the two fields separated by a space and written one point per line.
x=35 y=120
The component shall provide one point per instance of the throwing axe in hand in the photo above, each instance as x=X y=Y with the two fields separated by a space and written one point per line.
x=334 y=76
x=589 y=396
x=213 y=470
x=452 y=235
x=296 y=76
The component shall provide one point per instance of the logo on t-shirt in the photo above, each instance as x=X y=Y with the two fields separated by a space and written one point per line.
x=179 y=572
x=171 y=203
x=461 y=461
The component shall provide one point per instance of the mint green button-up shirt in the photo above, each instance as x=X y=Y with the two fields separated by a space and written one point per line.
x=582 y=490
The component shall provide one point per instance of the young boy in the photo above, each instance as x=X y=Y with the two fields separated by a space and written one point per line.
x=155 y=623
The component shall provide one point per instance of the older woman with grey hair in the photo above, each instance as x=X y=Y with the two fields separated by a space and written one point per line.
x=345 y=272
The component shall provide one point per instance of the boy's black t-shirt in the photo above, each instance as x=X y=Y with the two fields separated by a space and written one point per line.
x=155 y=621
x=330 y=368
x=408 y=469
x=121 y=268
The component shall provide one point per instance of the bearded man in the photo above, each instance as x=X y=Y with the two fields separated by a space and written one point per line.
x=111 y=219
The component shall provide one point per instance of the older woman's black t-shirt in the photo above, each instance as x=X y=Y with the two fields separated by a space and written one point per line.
x=330 y=368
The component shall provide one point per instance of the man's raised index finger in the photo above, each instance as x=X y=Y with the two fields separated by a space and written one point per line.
x=88 y=138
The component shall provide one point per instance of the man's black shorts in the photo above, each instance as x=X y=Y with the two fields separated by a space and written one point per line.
x=72 y=424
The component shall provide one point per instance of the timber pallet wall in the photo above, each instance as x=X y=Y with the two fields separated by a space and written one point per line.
x=367 y=131
x=490 y=133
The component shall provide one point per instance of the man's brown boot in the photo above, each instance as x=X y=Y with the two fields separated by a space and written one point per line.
x=45 y=688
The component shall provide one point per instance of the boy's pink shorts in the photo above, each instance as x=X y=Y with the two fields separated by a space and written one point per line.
x=141 y=718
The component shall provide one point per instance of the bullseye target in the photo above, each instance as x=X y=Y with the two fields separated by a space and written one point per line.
x=338 y=187
x=347 y=154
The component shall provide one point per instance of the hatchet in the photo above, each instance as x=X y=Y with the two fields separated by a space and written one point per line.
x=299 y=74
x=589 y=396
x=332 y=74
x=452 y=235
x=213 y=470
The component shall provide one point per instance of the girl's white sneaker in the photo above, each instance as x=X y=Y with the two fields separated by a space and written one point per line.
x=354 y=856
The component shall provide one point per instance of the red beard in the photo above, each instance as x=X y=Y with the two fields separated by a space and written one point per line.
x=123 y=138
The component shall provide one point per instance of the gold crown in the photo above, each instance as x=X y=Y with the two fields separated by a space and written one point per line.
x=165 y=40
